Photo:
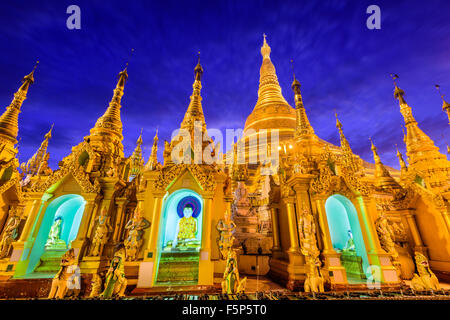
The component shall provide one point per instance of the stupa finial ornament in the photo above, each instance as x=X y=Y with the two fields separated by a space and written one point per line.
x=445 y=104
x=265 y=49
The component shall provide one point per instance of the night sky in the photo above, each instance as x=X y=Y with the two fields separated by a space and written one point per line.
x=340 y=63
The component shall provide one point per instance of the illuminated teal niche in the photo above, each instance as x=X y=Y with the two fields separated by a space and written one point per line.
x=70 y=209
x=342 y=217
x=178 y=249
x=171 y=218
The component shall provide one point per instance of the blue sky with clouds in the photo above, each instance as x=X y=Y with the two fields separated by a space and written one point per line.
x=341 y=64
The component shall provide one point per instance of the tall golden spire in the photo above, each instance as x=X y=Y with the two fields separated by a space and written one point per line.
x=153 y=159
x=110 y=123
x=194 y=112
x=349 y=160
x=303 y=129
x=137 y=162
x=418 y=144
x=445 y=104
x=382 y=176
x=403 y=167
x=345 y=146
x=271 y=110
x=423 y=156
x=9 y=127
x=38 y=163
x=269 y=88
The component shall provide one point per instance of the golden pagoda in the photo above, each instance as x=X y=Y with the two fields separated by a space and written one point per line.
x=320 y=219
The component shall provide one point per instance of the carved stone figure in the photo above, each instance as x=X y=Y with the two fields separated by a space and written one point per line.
x=136 y=227
x=10 y=233
x=425 y=279
x=62 y=278
x=115 y=281
x=314 y=280
x=96 y=285
x=101 y=233
x=307 y=232
x=386 y=236
x=225 y=241
x=231 y=283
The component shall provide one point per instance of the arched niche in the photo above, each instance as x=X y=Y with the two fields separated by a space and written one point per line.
x=342 y=217
x=170 y=217
x=69 y=208
x=172 y=256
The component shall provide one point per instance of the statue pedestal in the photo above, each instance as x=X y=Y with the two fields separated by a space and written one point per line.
x=94 y=264
x=51 y=260
x=131 y=271
x=352 y=264
x=179 y=267
x=57 y=245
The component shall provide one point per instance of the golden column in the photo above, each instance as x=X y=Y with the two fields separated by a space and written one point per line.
x=80 y=241
x=147 y=268
x=409 y=214
x=206 y=267
x=445 y=216
x=120 y=216
x=87 y=215
x=154 y=227
x=323 y=222
x=206 y=229
x=293 y=229
x=275 y=229
x=36 y=205
x=37 y=218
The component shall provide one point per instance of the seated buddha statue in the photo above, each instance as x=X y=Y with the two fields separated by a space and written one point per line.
x=350 y=245
x=54 y=241
x=186 y=229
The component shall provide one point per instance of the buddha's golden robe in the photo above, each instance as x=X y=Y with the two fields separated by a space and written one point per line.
x=188 y=228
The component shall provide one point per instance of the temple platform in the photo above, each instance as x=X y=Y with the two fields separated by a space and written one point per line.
x=31 y=288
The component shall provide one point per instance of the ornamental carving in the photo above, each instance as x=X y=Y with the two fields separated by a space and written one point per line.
x=326 y=183
x=436 y=199
x=322 y=182
x=203 y=175
x=14 y=182
x=355 y=183
x=77 y=172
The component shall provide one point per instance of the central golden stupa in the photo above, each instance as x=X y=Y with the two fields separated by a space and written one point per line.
x=271 y=110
